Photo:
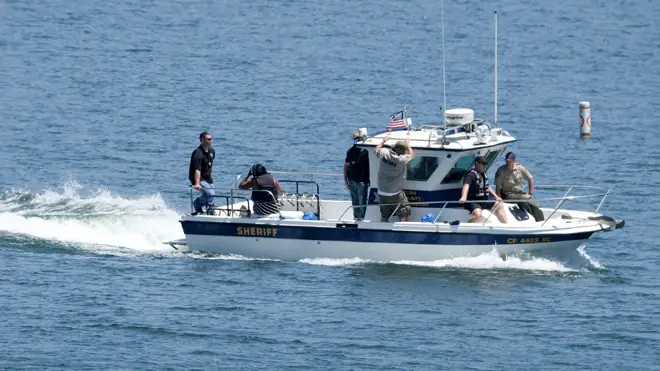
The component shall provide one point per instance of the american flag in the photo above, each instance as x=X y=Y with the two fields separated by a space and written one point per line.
x=396 y=121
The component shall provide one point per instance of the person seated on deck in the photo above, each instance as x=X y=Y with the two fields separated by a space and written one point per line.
x=476 y=188
x=508 y=185
x=260 y=181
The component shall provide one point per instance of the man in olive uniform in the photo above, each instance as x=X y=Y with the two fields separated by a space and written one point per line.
x=508 y=183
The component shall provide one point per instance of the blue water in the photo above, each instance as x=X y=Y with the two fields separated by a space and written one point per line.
x=101 y=103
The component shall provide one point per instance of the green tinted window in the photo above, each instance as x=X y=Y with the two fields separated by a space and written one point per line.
x=421 y=168
x=458 y=171
x=491 y=157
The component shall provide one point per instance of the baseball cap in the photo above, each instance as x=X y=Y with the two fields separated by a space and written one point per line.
x=481 y=160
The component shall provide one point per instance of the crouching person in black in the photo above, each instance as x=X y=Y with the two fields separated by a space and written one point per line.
x=260 y=181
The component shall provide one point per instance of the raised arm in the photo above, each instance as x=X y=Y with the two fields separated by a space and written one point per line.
x=409 y=149
x=381 y=144
x=246 y=183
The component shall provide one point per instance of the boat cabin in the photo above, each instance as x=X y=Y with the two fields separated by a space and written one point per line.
x=443 y=154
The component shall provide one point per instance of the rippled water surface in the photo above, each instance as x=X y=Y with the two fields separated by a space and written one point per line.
x=101 y=104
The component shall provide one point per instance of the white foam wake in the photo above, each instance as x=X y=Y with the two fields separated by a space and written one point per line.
x=100 y=221
x=593 y=262
x=492 y=260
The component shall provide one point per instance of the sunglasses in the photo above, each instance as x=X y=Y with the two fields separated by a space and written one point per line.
x=209 y=139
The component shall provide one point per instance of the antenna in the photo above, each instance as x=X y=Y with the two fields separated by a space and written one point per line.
x=444 y=78
x=444 y=75
x=495 y=72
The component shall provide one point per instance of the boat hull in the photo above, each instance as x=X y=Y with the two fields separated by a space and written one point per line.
x=285 y=240
x=294 y=250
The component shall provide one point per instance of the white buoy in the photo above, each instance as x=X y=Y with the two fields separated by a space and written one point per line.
x=585 y=120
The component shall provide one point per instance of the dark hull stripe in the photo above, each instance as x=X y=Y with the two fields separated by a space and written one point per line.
x=426 y=196
x=368 y=235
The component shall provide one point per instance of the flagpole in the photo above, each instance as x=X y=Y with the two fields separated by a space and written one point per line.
x=405 y=117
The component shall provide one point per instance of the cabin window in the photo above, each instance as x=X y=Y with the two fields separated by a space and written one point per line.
x=421 y=168
x=491 y=157
x=456 y=173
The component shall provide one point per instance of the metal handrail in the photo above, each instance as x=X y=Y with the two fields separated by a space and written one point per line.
x=298 y=182
x=229 y=206
x=318 y=199
x=271 y=196
x=565 y=195
x=603 y=200
x=233 y=197
x=561 y=200
x=568 y=185
x=306 y=173
x=441 y=210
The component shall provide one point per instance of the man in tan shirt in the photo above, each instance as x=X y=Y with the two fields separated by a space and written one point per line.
x=508 y=182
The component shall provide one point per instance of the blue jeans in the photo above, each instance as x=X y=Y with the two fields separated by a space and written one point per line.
x=359 y=192
x=207 y=196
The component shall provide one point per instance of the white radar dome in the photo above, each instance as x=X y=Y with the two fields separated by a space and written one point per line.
x=459 y=116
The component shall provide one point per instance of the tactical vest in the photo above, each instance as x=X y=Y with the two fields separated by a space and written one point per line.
x=480 y=191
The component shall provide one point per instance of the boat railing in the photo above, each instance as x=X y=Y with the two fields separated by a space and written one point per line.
x=230 y=201
x=297 y=199
x=311 y=174
x=566 y=196
x=300 y=199
x=560 y=201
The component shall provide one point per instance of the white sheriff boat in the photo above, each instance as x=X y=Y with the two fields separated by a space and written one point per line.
x=310 y=226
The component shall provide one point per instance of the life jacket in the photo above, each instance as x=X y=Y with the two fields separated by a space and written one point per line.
x=480 y=191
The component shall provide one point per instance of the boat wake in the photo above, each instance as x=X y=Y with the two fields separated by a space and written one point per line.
x=96 y=220
x=577 y=261
x=99 y=221
x=492 y=260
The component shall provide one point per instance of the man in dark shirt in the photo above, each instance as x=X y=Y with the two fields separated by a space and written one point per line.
x=356 y=177
x=475 y=192
x=199 y=174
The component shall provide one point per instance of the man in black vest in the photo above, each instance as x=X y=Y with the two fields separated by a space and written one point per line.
x=199 y=173
x=356 y=177
x=476 y=189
